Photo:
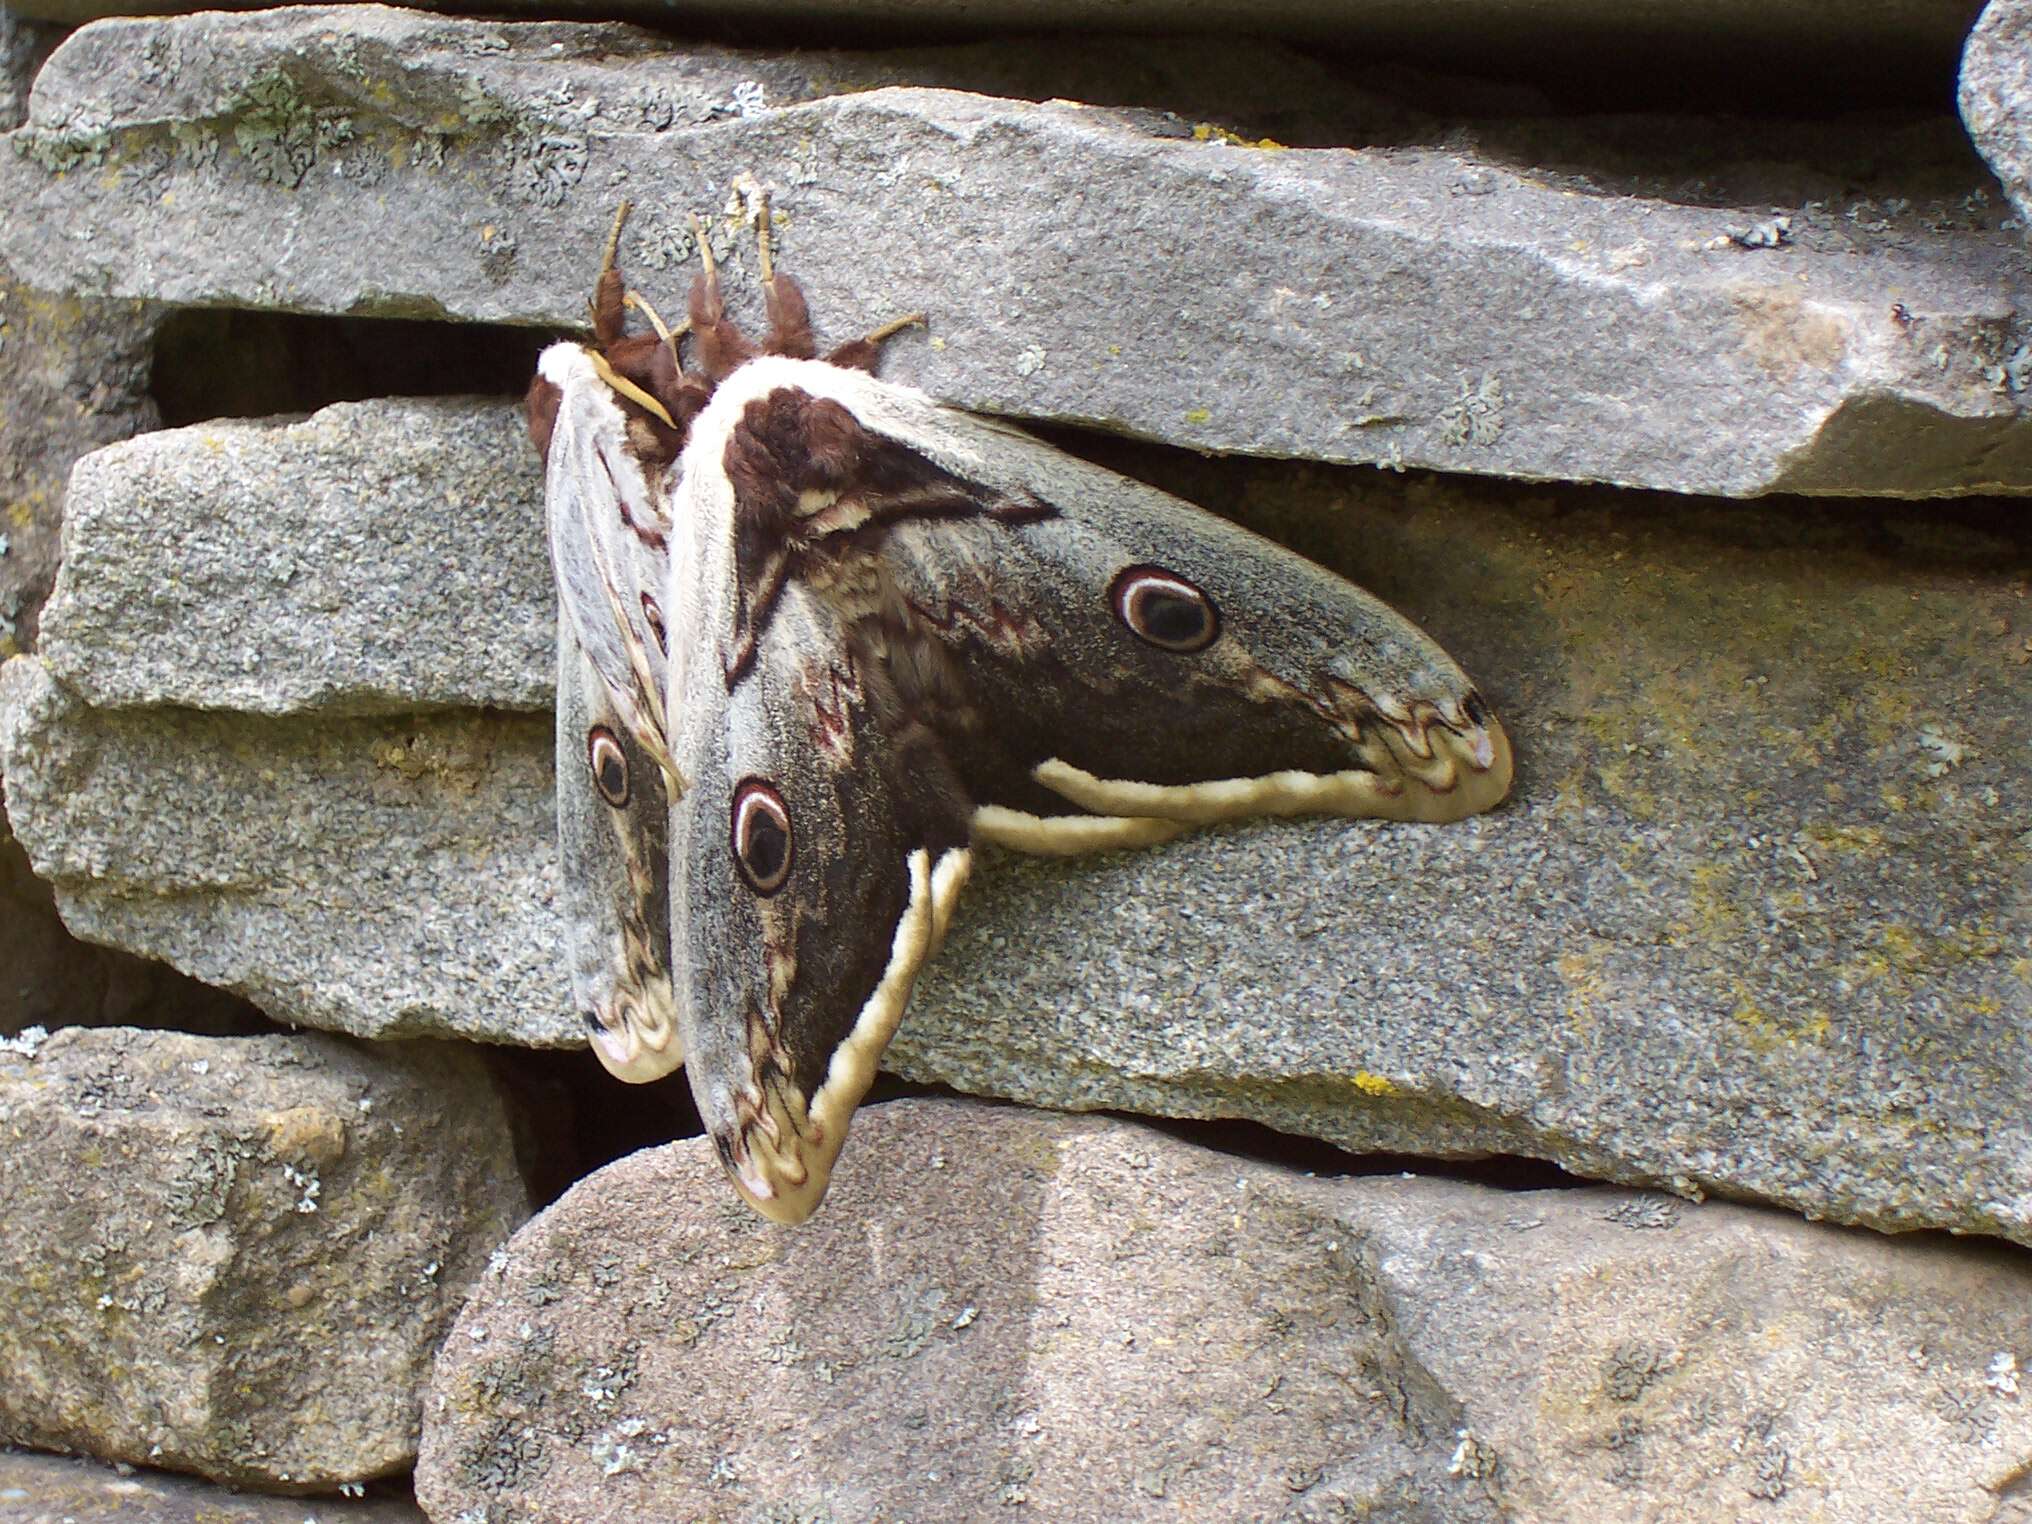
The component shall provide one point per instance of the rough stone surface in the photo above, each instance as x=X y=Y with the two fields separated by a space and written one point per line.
x=1996 y=97
x=388 y=877
x=1088 y=1320
x=1754 y=922
x=1665 y=305
x=73 y=377
x=47 y=1489
x=237 y=1256
x=367 y=521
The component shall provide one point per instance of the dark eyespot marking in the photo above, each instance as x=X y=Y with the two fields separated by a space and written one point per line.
x=609 y=764
x=1164 y=609
x=1476 y=711
x=654 y=615
x=761 y=836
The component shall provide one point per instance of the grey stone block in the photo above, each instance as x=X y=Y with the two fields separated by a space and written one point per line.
x=1215 y=293
x=1089 y=1320
x=237 y=1256
x=386 y=877
x=1996 y=97
x=377 y=558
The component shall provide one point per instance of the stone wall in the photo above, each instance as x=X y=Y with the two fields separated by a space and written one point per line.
x=1697 y=439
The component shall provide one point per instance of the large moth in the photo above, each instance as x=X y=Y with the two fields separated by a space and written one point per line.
x=845 y=633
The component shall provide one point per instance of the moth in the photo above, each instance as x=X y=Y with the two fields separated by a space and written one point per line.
x=821 y=636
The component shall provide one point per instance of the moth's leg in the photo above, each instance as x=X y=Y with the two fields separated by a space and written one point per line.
x=720 y=346
x=864 y=353
x=789 y=318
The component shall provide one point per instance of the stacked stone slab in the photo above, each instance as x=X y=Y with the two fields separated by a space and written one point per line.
x=1643 y=317
x=237 y=1256
x=1086 y=1320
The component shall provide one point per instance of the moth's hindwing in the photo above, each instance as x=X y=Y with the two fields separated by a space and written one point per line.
x=608 y=532
x=609 y=529
x=614 y=876
x=907 y=626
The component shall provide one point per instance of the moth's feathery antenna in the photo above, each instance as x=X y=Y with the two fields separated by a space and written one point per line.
x=614 y=236
x=762 y=237
x=636 y=299
x=890 y=330
x=705 y=247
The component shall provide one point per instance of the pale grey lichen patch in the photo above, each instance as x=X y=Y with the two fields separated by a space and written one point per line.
x=666 y=244
x=507 y=1456
x=1475 y=416
x=1768 y=1461
x=541 y=163
x=197 y=146
x=201 y=1189
x=280 y=133
x=1626 y=1455
x=1655 y=1212
x=80 y=140
x=1632 y=1366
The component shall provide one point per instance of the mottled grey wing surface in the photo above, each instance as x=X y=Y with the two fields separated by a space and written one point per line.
x=907 y=627
x=816 y=858
x=607 y=527
x=1143 y=658
x=613 y=825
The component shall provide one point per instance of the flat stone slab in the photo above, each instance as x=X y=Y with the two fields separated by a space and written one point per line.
x=37 y=1488
x=406 y=539
x=237 y=1256
x=1754 y=921
x=1085 y=1319
x=1418 y=300
x=388 y=877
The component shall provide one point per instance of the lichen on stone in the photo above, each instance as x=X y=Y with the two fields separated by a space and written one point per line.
x=80 y=140
x=541 y=163
x=280 y=133
x=1475 y=416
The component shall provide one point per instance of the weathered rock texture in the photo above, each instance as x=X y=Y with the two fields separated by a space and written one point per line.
x=1644 y=310
x=1755 y=921
x=1088 y=1320
x=1996 y=97
x=46 y=1489
x=361 y=522
x=73 y=376
x=238 y=1256
x=403 y=861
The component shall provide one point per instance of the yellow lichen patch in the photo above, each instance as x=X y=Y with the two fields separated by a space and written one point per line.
x=1585 y=985
x=1208 y=132
x=307 y=1132
x=1199 y=415
x=1373 y=1084
x=458 y=761
x=1765 y=1030
x=1716 y=921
